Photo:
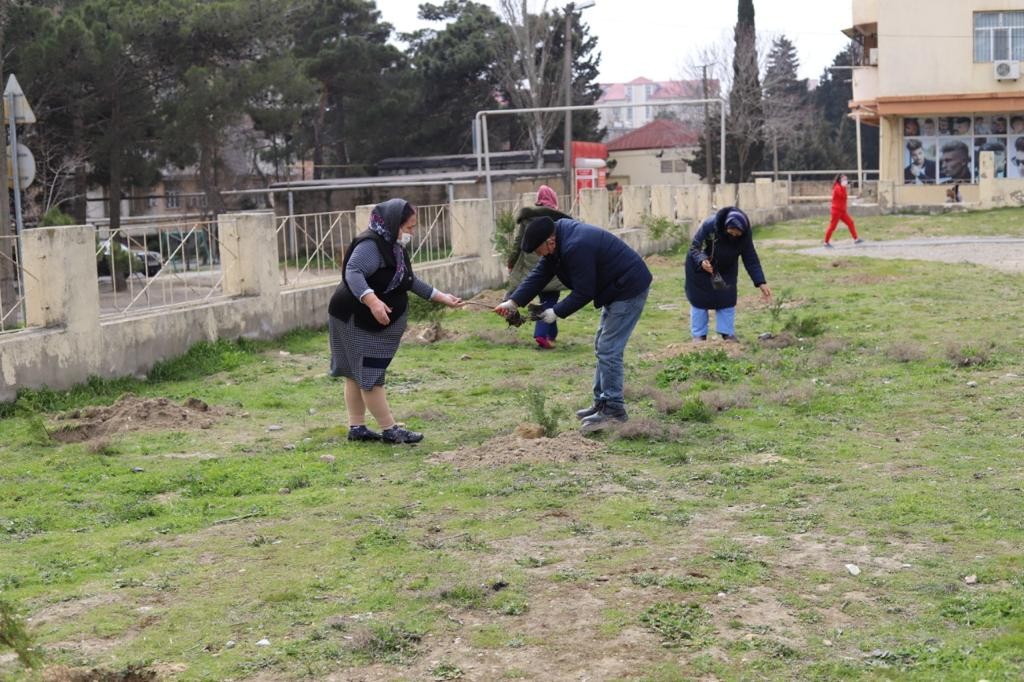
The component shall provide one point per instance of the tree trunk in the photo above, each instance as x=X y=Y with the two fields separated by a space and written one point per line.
x=79 y=205
x=116 y=165
x=318 y=134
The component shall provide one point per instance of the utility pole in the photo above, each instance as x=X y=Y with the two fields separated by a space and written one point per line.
x=570 y=189
x=707 y=129
x=570 y=9
x=8 y=277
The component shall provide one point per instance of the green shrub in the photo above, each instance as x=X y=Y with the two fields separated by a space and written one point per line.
x=425 y=311
x=715 y=365
x=546 y=419
x=659 y=227
x=504 y=234
x=809 y=325
x=13 y=635
x=55 y=216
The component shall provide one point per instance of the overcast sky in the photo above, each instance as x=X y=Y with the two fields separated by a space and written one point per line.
x=658 y=38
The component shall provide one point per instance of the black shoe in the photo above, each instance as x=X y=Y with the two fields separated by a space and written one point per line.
x=590 y=411
x=608 y=415
x=396 y=434
x=362 y=433
x=730 y=337
x=702 y=337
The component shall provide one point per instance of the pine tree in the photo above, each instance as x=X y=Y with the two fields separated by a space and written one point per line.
x=746 y=113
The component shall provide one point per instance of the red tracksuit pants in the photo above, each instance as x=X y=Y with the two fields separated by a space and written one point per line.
x=847 y=220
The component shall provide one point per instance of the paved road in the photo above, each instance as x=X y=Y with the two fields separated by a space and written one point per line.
x=999 y=253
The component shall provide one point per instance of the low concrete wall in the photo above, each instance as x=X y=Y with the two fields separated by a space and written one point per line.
x=67 y=342
x=636 y=204
x=594 y=207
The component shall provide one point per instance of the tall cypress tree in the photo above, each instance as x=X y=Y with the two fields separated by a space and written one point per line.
x=746 y=113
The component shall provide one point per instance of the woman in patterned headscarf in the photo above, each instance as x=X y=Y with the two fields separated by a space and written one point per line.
x=368 y=315
x=712 y=269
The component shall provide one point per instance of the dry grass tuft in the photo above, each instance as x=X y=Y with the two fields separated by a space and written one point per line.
x=905 y=351
x=645 y=428
x=721 y=399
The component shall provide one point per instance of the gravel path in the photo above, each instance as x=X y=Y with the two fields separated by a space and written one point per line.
x=999 y=253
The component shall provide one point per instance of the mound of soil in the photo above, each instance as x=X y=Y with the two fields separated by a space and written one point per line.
x=569 y=446
x=731 y=348
x=132 y=413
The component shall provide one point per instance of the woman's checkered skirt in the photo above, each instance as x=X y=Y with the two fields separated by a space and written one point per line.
x=362 y=355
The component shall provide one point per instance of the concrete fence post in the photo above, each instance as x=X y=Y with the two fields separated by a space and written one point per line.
x=61 y=289
x=473 y=232
x=725 y=195
x=662 y=203
x=594 y=206
x=472 y=228
x=636 y=203
x=248 y=254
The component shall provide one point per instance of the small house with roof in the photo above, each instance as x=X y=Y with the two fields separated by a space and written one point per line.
x=658 y=153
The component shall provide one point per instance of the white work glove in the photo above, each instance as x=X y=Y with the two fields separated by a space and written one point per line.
x=506 y=308
x=549 y=316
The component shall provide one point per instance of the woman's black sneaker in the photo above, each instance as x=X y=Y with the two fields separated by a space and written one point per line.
x=396 y=434
x=362 y=433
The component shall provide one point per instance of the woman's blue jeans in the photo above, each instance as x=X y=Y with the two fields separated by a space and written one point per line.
x=548 y=299
x=725 y=321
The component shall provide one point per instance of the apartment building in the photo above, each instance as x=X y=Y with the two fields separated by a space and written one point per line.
x=643 y=99
x=942 y=81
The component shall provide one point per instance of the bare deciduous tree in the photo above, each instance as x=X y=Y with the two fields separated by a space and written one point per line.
x=523 y=62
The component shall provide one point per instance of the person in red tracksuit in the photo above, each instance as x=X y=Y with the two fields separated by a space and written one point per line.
x=839 y=211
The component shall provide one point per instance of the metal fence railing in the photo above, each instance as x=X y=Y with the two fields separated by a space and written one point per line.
x=12 y=285
x=432 y=239
x=614 y=210
x=311 y=246
x=143 y=267
x=502 y=206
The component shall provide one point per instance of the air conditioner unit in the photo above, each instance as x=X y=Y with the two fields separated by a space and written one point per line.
x=873 y=56
x=1006 y=70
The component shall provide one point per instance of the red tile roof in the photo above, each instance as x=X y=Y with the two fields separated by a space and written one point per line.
x=660 y=133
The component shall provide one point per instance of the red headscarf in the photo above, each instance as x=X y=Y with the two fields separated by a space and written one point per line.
x=547 y=197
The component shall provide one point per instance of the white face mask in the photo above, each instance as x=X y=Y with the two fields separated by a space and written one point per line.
x=844 y=183
x=404 y=239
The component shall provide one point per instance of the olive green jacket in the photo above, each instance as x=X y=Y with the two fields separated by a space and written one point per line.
x=520 y=264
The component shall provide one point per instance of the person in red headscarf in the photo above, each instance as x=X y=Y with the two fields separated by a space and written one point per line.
x=520 y=264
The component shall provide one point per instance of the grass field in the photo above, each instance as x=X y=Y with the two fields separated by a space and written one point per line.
x=841 y=502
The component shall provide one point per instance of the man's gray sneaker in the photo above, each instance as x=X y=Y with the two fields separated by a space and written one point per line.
x=607 y=416
x=590 y=411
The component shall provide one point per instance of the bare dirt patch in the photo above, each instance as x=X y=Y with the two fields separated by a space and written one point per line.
x=132 y=413
x=672 y=350
x=570 y=446
x=427 y=333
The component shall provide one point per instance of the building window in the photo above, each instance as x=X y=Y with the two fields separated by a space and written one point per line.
x=666 y=166
x=172 y=198
x=998 y=35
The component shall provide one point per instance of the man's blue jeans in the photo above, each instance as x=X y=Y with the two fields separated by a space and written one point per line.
x=618 y=319
x=725 y=321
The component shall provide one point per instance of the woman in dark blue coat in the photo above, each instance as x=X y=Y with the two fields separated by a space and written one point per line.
x=712 y=267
